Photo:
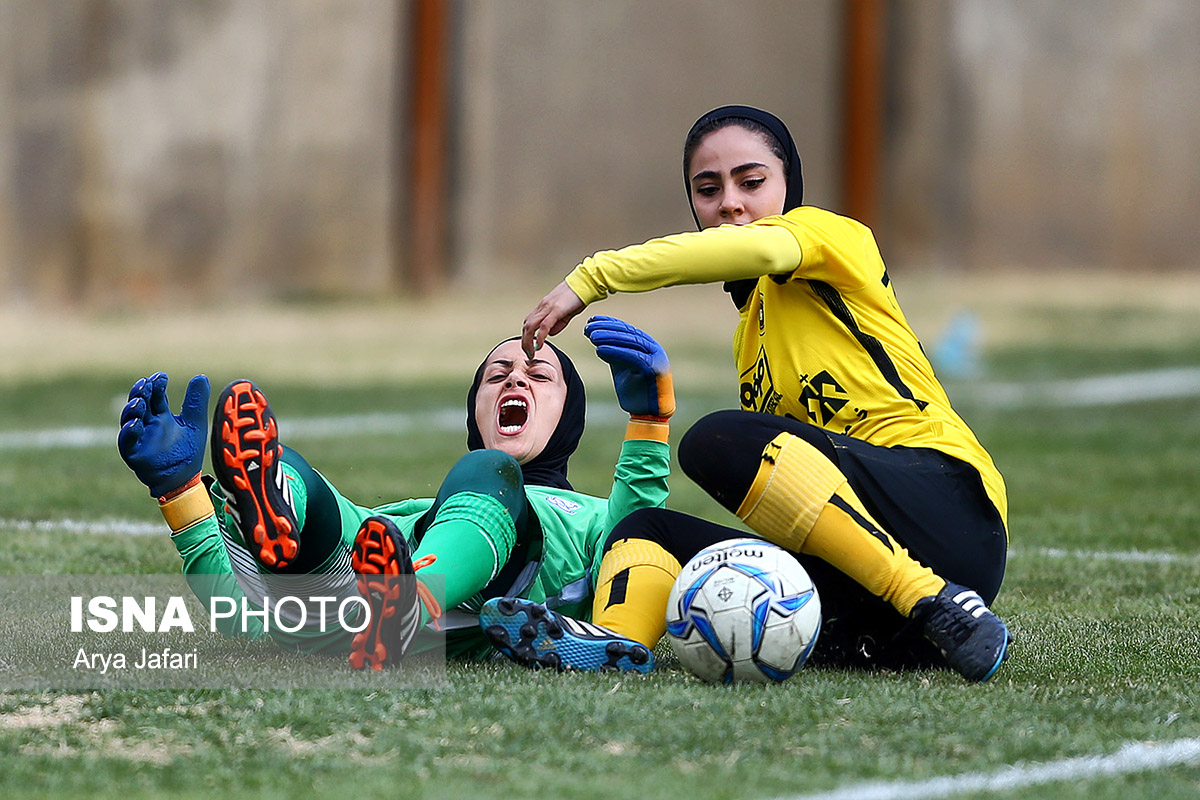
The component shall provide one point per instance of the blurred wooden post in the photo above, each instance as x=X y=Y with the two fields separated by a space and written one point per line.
x=424 y=170
x=865 y=32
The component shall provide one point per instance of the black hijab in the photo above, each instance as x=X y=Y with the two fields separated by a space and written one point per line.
x=740 y=290
x=549 y=468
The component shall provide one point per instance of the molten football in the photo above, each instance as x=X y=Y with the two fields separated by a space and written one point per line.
x=743 y=610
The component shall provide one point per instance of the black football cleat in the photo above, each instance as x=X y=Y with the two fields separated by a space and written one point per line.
x=247 y=461
x=972 y=639
x=383 y=564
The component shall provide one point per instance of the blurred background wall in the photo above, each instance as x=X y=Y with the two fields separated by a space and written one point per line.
x=208 y=151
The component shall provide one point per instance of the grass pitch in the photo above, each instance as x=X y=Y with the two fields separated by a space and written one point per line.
x=1101 y=593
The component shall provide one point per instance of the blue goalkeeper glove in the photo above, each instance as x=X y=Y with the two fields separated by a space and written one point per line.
x=640 y=369
x=165 y=451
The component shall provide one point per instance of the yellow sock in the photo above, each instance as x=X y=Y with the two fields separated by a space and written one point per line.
x=801 y=501
x=636 y=576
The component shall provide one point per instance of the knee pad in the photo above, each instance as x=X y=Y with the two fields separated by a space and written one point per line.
x=486 y=464
x=490 y=472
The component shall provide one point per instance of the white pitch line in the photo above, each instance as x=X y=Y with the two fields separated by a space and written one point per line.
x=443 y=420
x=440 y=420
x=1130 y=387
x=141 y=528
x=1128 y=556
x=119 y=527
x=1099 y=390
x=1121 y=389
x=1132 y=757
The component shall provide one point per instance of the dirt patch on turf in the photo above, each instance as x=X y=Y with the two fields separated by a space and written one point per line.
x=350 y=745
x=97 y=738
x=51 y=712
x=96 y=741
x=93 y=738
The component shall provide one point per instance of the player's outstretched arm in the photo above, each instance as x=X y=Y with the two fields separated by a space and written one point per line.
x=165 y=451
x=640 y=369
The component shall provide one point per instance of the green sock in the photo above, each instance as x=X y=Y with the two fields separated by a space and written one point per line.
x=471 y=538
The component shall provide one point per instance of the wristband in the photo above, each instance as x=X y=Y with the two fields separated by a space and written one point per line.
x=186 y=505
x=656 y=429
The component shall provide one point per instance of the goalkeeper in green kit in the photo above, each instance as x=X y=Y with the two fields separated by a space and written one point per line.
x=505 y=522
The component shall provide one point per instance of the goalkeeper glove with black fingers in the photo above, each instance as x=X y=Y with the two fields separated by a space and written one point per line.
x=640 y=368
x=165 y=451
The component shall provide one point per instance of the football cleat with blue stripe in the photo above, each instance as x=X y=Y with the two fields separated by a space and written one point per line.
x=972 y=639
x=536 y=637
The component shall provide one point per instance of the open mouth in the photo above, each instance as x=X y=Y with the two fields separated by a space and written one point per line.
x=514 y=413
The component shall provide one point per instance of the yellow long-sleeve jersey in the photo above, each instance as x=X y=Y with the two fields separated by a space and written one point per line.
x=822 y=338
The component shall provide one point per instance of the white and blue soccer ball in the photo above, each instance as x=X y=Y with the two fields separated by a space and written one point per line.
x=743 y=610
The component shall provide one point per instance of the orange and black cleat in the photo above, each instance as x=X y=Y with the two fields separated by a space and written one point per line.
x=382 y=561
x=246 y=458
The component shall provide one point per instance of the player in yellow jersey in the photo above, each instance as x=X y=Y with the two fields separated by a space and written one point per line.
x=846 y=451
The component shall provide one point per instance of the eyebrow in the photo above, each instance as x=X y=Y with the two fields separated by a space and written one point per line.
x=738 y=170
x=507 y=362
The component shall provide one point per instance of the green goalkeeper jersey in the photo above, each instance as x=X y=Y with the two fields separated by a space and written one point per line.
x=561 y=573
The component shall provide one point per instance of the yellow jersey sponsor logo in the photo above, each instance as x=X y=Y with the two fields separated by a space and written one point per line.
x=822 y=397
x=758 y=387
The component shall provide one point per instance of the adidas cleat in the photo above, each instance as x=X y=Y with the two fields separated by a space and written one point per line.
x=384 y=568
x=536 y=637
x=246 y=457
x=973 y=640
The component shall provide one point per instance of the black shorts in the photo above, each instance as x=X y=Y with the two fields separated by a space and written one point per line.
x=931 y=503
